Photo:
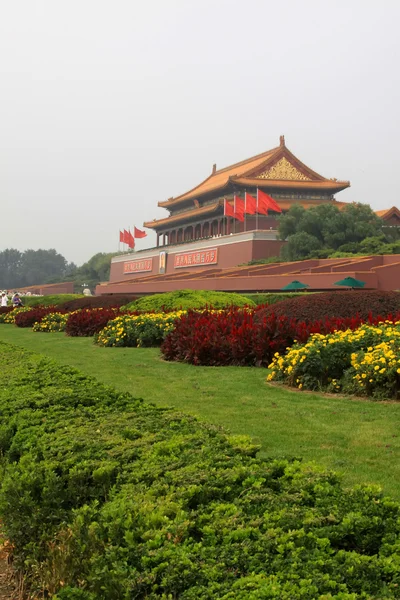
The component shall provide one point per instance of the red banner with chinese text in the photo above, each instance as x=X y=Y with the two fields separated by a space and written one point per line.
x=199 y=258
x=138 y=266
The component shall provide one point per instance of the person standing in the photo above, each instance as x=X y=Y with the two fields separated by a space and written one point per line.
x=4 y=299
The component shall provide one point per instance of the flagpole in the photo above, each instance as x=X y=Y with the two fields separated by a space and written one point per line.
x=234 y=210
x=257 y=212
x=225 y=214
x=245 y=214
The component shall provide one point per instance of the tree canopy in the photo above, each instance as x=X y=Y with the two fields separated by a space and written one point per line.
x=34 y=267
x=23 y=269
x=325 y=230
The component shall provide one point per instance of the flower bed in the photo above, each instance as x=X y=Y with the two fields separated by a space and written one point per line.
x=240 y=337
x=10 y=316
x=29 y=317
x=137 y=330
x=365 y=361
x=52 y=323
x=4 y=311
x=87 y=322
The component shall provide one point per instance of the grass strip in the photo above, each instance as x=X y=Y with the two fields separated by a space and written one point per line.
x=358 y=438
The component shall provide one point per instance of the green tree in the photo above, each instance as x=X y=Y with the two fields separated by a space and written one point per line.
x=327 y=229
x=38 y=266
x=300 y=245
x=10 y=263
x=95 y=270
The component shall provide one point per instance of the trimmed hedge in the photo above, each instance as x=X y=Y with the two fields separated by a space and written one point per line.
x=272 y=297
x=106 y=497
x=187 y=299
x=52 y=300
x=108 y=301
x=344 y=304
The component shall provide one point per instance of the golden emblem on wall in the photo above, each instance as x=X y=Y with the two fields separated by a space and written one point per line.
x=283 y=169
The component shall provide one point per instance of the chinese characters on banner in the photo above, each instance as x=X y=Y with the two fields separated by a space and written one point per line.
x=138 y=266
x=196 y=259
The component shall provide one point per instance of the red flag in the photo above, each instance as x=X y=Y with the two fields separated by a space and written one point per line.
x=121 y=237
x=131 y=240
x=228 y=209
x=138 y=233
x=125 y=237
x=239 y=208
x=250 y=204
x=266 y=203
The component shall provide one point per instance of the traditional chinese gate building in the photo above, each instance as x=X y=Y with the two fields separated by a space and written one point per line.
x=197 y=236
x=199 y=213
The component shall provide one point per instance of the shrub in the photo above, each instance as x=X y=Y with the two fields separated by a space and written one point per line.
x=52 y=322
x=51 y=300
x=104 y=496
x=241 y=337
x=346 y=304
x=10 y=316
x=269 y=298
x=5 y=310
x=137 y=330
x=88 y=321
x=107 y=301
x=227 y=337
x=186 y=299
x=364 y=361
x=27 y=318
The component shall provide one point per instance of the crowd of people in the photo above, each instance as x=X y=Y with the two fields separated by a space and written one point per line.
x=10 y=298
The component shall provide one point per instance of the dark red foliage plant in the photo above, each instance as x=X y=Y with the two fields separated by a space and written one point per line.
x=28 y=318
x=89 y=321
x=341 y=303
x=104 y=301
x=243 y=337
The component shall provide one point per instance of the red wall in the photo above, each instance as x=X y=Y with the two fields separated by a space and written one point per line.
x=229 y=255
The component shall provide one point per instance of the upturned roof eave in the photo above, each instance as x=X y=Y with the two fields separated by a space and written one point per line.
x=193 y=192
x=198 y=212
x=325 y=185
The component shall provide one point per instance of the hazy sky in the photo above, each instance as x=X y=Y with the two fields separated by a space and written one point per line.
x=109 y=106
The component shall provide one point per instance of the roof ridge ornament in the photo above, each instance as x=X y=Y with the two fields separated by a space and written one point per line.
x=214 y=169
x=282 y=141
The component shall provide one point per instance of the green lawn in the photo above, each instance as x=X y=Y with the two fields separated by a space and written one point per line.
x=357 y=438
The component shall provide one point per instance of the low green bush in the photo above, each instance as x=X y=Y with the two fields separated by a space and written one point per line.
x=186 y=299
x=106 y=497
x=53 y=300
